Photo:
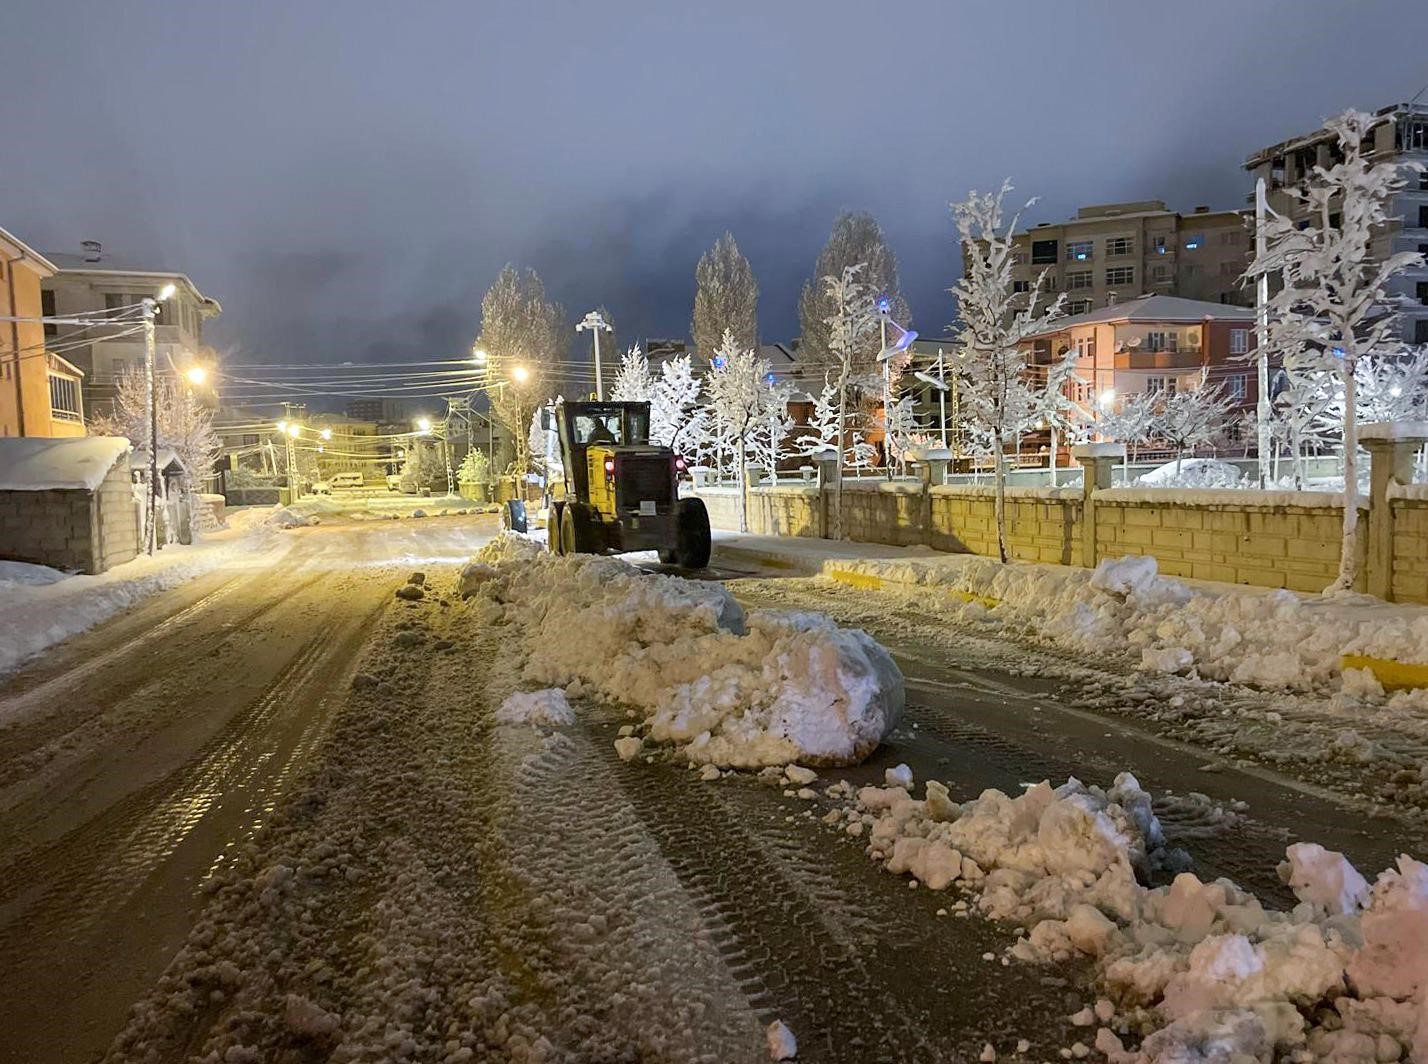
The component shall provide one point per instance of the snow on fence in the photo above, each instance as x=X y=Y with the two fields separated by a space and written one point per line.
x=1280 y=539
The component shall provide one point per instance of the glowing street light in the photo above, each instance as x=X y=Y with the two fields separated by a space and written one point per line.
x=167 y=292
x=479 y=356
x=326 y=434
x=423 y=425
x=520 y=374
x=1107 y=398
x=294 y=429
x=282 y=426
x=197 y=375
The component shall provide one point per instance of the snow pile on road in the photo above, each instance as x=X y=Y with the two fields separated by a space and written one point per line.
x=767 y=688
x=1198 y=971
x=1270 y=638
x=1193 y=473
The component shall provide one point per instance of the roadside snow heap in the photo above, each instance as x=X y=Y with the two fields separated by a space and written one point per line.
x=1270 y=638
x=767 y=688
x=1202 y=972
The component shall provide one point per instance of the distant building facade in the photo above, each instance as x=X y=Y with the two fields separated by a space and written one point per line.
x=41 y=393
x=1118 y=251
x=1401 y=137
x=89 y=284
x=1156 y=344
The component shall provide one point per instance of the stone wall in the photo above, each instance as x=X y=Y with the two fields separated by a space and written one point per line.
x=1262 y=539
x=78 y=531
x=1239 y=537
x=1410 y=547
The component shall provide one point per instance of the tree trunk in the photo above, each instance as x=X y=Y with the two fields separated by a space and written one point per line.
x=999 y=466
x=842 y=450
x=1053 y=456
x=741 y=479
x=1349 y=549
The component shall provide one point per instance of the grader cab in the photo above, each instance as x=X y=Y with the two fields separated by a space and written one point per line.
x=621 y=492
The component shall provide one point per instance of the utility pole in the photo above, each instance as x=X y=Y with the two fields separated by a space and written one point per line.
x=596 y=325
x=152 y=396
x=1261 y=328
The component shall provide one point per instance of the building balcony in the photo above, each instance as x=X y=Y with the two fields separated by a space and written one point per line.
x=1186 y=358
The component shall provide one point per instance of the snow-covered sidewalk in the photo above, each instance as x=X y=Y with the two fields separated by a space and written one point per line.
x=40 y=606
x=1270 y=638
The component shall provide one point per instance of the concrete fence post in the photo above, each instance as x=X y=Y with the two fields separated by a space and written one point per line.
x=932 y=468
x=1392 y=446
x=1098 y=461
x=830 y=471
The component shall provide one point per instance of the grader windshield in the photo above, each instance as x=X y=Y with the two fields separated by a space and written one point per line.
x=614 y=425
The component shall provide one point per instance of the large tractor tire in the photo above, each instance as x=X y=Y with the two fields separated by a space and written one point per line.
x=553 y=539
x=692 y=542
x=578 y=534
x=513 y=516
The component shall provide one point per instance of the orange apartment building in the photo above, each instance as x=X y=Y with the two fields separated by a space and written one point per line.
x=41 y=394
x=1154 y=343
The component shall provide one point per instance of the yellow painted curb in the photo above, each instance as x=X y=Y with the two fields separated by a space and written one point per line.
x=1394 y=675
x=877 y=583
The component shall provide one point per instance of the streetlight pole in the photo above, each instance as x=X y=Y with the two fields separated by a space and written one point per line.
x=152 y=397
x=1261 y=325
x=596 y=325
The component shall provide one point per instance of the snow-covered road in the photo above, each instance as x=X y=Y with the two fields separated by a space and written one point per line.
x=279 y=813
x=136 y=756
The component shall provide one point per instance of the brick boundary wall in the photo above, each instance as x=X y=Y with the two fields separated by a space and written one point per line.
x=74 y=530
x=1262 y=539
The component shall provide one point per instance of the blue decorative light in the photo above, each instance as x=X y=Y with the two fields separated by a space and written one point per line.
x=718 y=361
x=1081 y=256
x=883 y=305
x=1338 y=352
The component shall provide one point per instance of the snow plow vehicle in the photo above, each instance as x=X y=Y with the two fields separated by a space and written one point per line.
x=621 y=492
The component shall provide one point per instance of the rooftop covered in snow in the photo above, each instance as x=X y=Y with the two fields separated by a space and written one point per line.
x=1149 y=309
x=43 y=464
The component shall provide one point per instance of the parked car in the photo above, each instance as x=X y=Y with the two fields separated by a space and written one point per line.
x=394 y=482
x=321 y=487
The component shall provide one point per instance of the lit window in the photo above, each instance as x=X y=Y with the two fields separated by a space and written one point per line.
x=1078 y=251
x=1239 y=341
x=1194 y=241
x=1159 y=244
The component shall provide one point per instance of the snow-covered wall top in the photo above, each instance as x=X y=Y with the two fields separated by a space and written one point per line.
x=1418 y=492
x=1233 y=498
x=40 y=464
x=1394 y=430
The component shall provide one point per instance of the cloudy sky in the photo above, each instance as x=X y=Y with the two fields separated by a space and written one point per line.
x=348 y=177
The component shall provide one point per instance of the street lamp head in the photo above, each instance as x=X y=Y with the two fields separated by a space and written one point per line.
x=197 y=375
x=282 y=426
x=479 y=356
x=1108 y=398
x=167 y=292
x=294 y=430
x=520 y=374
x=423 y=424
x=884 y=305
x=326 y=434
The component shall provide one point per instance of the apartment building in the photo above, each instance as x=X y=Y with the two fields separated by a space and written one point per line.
x=92 y=284
x=1399 y=139
x=1117 y=251
x=1158 y=344
x=41 y=394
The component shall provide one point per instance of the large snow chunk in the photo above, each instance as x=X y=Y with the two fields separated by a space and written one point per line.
x=548 y=708
x=772 y=688
x=1324 y=878
x=1121 y=576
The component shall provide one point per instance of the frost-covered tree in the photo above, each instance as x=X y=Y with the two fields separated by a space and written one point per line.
x=900 y=433
x=822 y=423
x=474 y=468
x=737 y=392
x=861 y=454
x=545 y=446
x=1332 y=307
x=526 y=337
x=1064 y=417
x=994 y=324
x=1394 y=387
x=853 y=320
x=183 y=423
x=1191 y=417
x=676 y=419
x=857 y=240
x=773 y=426
x=1303 y=420
x=1130 y=422
x=634 y=383
x=726 y=297
x=422 y=468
